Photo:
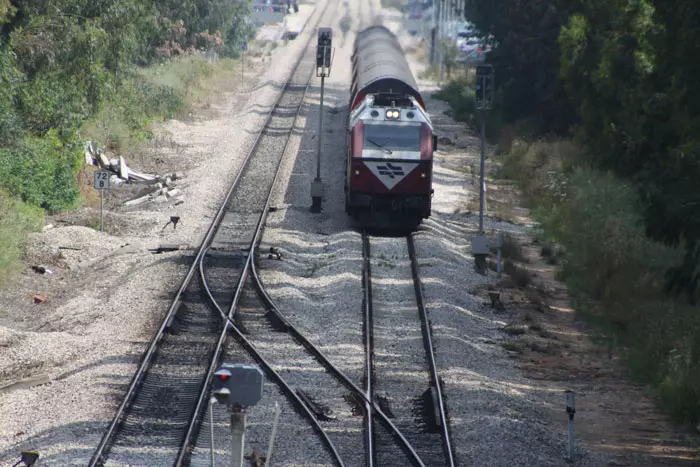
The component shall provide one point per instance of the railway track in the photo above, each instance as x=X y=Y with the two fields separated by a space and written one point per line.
x=160 y=414
x=325 y=390
x=160 y=417
x=402 y=373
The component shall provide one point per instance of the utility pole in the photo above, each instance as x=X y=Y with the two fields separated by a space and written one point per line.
x=484 y=100
x=441 y=42
x=324 y=60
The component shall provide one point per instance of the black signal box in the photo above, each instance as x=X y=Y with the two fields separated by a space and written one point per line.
x=324 y=49
x=325 y=37
x=484 y=87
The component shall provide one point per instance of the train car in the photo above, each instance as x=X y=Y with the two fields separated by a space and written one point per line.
x=390 y=141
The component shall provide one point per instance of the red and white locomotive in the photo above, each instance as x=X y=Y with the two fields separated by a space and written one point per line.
x=390 y=141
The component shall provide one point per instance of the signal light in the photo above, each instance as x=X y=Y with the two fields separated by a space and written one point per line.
x=374 y=113
x=220 y=388
x=237 y=385
x=410 y=114
x=392 y=114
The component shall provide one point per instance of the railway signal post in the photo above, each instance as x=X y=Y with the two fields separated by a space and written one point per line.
x=102 y=184
x=324 y=60
x=239 y=386
x=484 y=100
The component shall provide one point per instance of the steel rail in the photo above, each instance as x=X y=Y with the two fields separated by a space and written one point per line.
x=201 y=403
x=255 y=354
x=368 y=334
x=184 y=452
x=98 y=456
x=325 y=361
x=428 y=342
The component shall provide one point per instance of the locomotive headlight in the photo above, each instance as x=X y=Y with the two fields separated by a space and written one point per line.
x=422 y=175
x=357 y=172
x=392 y=114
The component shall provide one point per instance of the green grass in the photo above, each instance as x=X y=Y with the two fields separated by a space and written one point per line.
x=17 y=219
x=164 y=91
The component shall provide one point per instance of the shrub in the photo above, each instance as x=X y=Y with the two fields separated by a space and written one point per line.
x=615 y=272
x=459 y=93
x=41 y=172
x=16 y=220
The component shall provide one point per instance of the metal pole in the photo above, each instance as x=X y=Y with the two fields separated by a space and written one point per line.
x=500 y=245
x=571 y=441
x=482 y=185
x=102 y=195
x=570 y=411
x=272 y=436
x=317 y=185
x=211 y=428
x=242 y=64
x=320 y=130
x=237 y=437
x=440 y=41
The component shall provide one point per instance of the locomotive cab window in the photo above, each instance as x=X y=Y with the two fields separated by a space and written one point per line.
x=392 y=137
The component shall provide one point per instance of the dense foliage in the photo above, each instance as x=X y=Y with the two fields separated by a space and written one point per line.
x=623 y=77
x=62 y=62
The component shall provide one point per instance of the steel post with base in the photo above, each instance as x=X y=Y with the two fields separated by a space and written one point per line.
x=570 y=411
x=102 y=203
x=317 y=184
x=238 y=419
x=238 y=386
x=482 y=182
x=101 y=182
x=484 y=99
x=324 y=60
x=211 y=430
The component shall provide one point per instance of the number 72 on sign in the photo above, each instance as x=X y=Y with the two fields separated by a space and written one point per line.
x=102 y=180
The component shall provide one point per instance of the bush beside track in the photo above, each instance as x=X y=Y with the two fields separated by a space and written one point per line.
x=99 y=74
x=615 y=273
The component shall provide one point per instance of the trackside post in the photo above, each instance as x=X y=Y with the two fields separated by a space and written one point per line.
x=239 y=386
x=570 y=411
x=102 y=184
x=484 y=100
x=324 y=60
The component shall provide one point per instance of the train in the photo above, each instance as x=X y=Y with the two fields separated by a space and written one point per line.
x=389 y=140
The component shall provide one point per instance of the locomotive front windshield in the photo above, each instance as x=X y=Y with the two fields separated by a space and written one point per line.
x=392 y=137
